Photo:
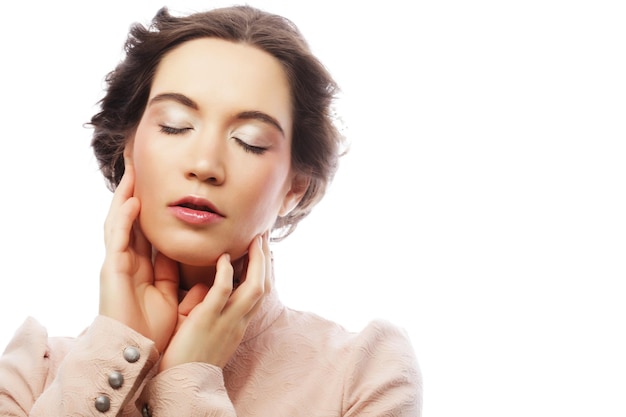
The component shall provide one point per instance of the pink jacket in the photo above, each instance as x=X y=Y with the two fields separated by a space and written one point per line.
x=289 y=364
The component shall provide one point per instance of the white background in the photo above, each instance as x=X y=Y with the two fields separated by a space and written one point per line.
x=482 y=206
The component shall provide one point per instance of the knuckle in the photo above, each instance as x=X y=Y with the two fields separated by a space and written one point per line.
x=256 y=290
x=223 y=287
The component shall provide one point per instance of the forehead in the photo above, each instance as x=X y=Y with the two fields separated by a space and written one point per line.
x=225 y=76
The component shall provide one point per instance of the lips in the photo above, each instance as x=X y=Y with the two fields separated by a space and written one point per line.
x=196 y=207
x=196 y=211
x=196 y=204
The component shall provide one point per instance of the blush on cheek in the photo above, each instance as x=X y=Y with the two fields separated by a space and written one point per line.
x=148 y=168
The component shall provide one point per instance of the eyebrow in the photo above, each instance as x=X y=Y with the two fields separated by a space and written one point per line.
x=179 y=98
x=245 y=115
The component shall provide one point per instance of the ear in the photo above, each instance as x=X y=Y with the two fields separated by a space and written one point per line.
x=299 y=185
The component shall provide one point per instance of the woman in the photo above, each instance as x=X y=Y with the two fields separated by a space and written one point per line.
x=215 y=132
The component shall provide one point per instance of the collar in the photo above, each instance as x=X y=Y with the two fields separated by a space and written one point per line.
x=267 y=314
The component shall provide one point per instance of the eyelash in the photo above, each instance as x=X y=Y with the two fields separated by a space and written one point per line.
x=257 y=150
x=168 y=130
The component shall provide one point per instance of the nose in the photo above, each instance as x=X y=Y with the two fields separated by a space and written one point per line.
x=206 y=159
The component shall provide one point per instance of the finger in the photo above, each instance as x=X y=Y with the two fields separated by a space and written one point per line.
x=166 y=277
x=123 y=192
x=194 y=296
x=222 y=287
x=252 y=289
x=139 y=241
x=268 y=274
x=269 y=263
x=122 y=211
x=118 y=235
x=126 y=186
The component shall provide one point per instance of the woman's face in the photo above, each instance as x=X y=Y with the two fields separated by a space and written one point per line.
x=212 y=151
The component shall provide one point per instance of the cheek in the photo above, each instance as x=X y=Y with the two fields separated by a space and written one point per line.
x=267 y=197
x=147 y=165
x=140 y=150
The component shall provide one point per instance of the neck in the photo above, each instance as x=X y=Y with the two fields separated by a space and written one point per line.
x=191 y=275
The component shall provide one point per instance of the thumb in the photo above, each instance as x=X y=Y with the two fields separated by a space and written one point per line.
x=193 y=297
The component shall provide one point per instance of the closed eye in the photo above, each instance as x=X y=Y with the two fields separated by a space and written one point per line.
x=169 y=130
x=257 y=150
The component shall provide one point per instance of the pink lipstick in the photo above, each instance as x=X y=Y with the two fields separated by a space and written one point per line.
x=195 y=211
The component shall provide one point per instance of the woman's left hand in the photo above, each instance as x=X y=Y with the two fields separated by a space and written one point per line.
x=212 y=322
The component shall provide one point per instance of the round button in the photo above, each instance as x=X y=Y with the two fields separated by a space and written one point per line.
x=116 y=379
x=103 y=403
x=131 y=354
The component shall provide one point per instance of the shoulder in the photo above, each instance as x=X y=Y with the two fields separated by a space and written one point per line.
x=377 y=364
x=383 y=336
x=32 y=337
x=377 y=335
x=31 y=356
x=318 y=335
x=382 y=367
x=380 y=343
x=385 y=345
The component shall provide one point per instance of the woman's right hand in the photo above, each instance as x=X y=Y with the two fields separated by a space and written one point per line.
x=133 y=290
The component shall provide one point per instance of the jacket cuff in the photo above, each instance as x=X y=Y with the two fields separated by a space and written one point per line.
x=103 y=371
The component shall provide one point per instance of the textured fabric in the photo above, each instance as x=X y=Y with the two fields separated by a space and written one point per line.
x=289 y=364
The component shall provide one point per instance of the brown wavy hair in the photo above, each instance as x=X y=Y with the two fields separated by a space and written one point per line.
x=317 y=142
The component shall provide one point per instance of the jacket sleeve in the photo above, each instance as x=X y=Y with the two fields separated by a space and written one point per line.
x=99 y=375
x=23 y=369
x=193 y=389
x=383 y=377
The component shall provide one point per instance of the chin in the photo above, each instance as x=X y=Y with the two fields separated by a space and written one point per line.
x=195 y=255
x=194 y=248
